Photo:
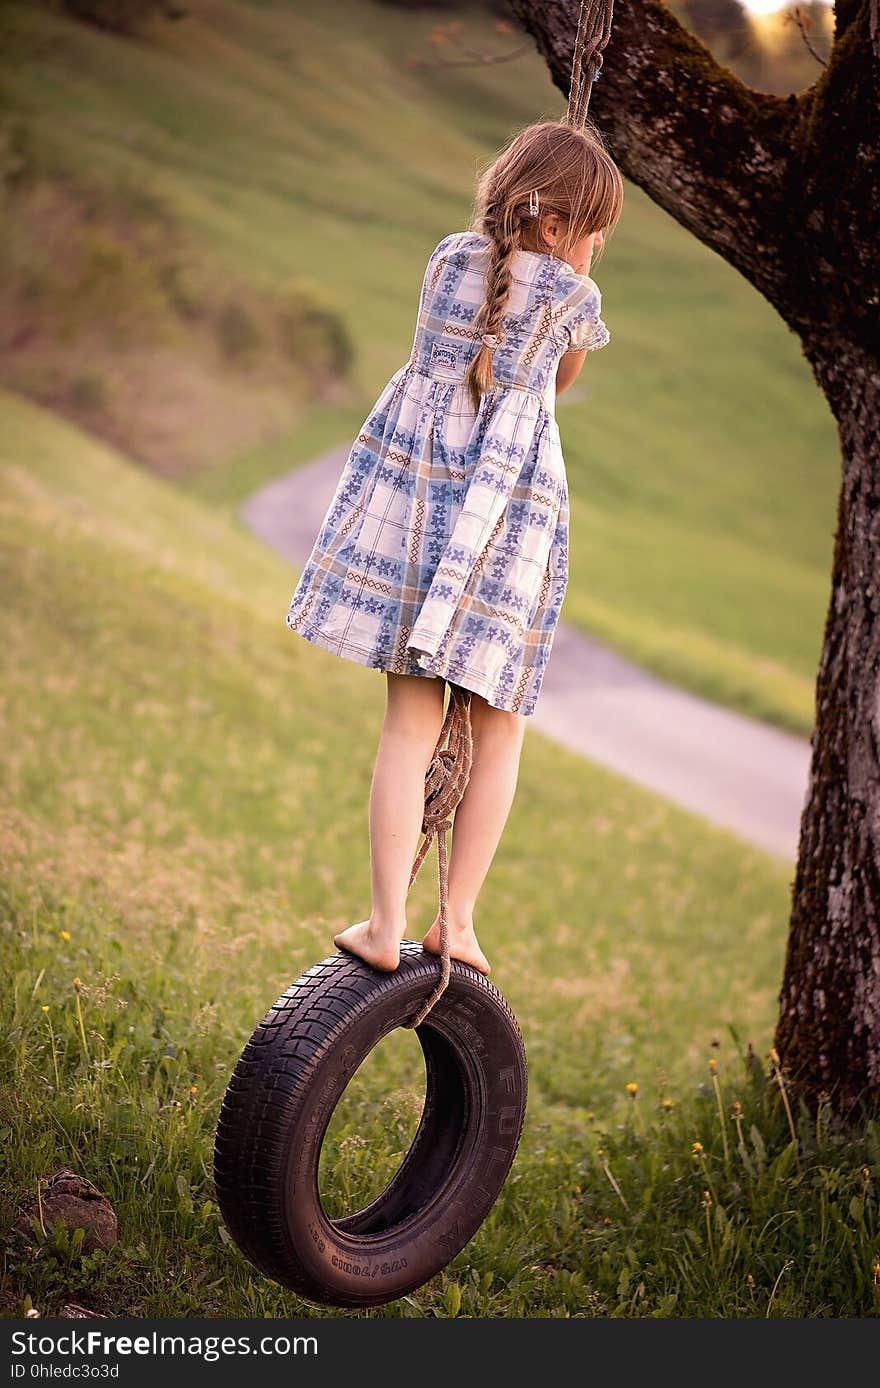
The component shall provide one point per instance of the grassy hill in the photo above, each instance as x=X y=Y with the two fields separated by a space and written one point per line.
x=180 y=838
x=302 y=146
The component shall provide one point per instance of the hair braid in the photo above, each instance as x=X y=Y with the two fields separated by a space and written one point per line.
x=499 y=281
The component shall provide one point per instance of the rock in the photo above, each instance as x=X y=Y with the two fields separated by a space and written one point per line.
x=77 y=1202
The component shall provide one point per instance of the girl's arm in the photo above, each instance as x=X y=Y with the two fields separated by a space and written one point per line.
x=568 y=370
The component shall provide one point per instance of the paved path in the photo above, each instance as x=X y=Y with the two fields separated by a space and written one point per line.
x=739 y=773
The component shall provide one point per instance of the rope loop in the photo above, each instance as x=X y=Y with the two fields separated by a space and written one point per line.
x=445 y=783
x=593 y=33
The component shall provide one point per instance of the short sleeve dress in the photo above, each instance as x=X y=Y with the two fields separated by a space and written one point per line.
x=444 y=550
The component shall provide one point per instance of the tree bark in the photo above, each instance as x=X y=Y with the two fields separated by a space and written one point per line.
x=828 y=1033
x=785 y=189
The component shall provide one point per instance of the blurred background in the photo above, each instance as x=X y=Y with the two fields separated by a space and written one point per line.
x=216 y=216
x=215 y=219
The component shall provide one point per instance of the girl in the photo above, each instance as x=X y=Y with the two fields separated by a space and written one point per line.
x=443 y=555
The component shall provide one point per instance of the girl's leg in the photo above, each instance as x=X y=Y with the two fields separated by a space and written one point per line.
x=477 y=825
x=413 y=718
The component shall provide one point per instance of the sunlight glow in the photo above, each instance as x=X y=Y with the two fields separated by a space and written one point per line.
x=770 y=6
x=763 y=6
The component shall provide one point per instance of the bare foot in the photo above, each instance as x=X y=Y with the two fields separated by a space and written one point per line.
x=379 y=947
x=462 y=945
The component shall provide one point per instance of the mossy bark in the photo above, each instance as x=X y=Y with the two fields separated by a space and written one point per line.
x=785 y=189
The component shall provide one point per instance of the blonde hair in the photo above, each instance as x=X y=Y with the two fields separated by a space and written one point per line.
x=573 y=175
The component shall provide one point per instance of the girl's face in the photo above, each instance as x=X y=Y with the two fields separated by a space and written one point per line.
x=581 y=253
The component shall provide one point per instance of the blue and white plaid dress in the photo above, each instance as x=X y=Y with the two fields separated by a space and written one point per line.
x=444 y=550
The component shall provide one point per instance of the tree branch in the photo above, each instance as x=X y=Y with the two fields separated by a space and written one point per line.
x=730 y=164
x=845 y=13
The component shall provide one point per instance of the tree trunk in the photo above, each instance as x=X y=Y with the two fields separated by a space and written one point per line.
x=785 y=189
x=828 y=1034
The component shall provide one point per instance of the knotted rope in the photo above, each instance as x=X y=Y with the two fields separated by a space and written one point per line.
x=445 y=783
x=593 y=32
x=450 y=768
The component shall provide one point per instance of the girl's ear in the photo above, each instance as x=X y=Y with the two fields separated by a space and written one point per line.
x=551 y=229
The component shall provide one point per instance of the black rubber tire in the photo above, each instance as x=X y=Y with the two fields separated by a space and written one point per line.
x=289 y=1080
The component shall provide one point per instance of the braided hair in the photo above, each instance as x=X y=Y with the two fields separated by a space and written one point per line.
x=502 y=224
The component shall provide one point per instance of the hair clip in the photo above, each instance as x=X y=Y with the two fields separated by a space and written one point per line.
x=489 y=338
x=533 y=203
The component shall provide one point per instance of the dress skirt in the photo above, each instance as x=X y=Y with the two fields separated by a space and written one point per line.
x=444 y=550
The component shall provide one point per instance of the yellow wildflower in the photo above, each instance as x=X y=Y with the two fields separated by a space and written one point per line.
x=45 y=1007
x=64 y=934
x=632 y=1089
x=713 y=1064
x=667 y=1104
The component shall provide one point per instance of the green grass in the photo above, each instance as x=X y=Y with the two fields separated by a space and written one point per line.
x=703 y=462
x=180 y=834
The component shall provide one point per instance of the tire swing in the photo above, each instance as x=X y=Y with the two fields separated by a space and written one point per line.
x=297 y=1064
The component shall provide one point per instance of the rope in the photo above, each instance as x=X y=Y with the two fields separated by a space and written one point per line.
x=447 y=776
x=593 y=33
x=445 y=783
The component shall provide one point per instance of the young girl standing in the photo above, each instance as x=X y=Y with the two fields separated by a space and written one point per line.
x=443 y=555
